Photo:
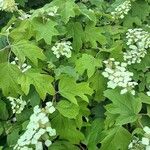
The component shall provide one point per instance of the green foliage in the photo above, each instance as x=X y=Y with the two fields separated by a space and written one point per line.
x=8 y=82
x=126 y=107
x=45 y=30
x=117 y=138
x=93 y=35
x=88 y=115
x=87 y=62
x=67 y=129
x=68 y=109
x=22 y=50
x=41 y=82
x=77 y=89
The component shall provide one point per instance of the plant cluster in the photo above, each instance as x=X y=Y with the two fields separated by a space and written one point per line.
x=75 y=75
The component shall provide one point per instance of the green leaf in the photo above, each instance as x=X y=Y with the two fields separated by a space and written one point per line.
x=45 y=30
x=68 y=70
x=3 y=110
x=89 y=63
x=69 y=89
x=8 y=79
x=21 y=2
x=63 y=145
x=140 y=5
x=66 y=9
x=34 y=97
x=117 y=138
x=23 y=31
x=25 y=49
x=94 y=134
x=126 y=106
x=68 y=109
x=99 y=84
x=24 y=115
x=87 y=12
x=41 y=82
x=13 y=137
x=75 y=30
x=66 y=129
x=144 y=98
x=93 y=35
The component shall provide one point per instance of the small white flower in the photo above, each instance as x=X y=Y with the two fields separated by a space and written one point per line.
x=123 y=91
x=24 y=67
x=145 y=141
x=146 y=129
x=48 y=143
x=39 y=146
x=148 y=147
x=130 y=145
x=148 y=93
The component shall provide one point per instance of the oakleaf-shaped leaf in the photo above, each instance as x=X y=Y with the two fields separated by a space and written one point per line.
x=99 y=85
x=25 y=49
x=126 y=106
x=41 y=82
x=75 y=30
x=68 y=109
x=69 y=89
x=89 y=63
x=45 y=30
x=8 y=79
x=66 y=8
x=117 y=138
x=93 y=35
x=67 y=129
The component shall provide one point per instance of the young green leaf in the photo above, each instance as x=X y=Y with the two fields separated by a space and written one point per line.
x=66 y=129
x=69 y=89
x=89 y=63
x=45 y=30
x=3 y=110
x=25 y=49
x=75 y=30
x=117 y=138
x=93 y=35
x=66 y=9
x=41 y=82
x=98 y=83
x=68 y=109
x=8 y=79
x=125 y=106
x=94 y=134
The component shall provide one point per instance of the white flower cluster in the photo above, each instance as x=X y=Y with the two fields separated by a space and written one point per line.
x=118 y=75
x=148 y=93
x=52 y=11
x=17 y=104
x=144 y=143
x=62 y=49
x=8 y=5
x=39 y=125
x=24 y=15
x=138 y=42
x=23 y=68
x=121 y=10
